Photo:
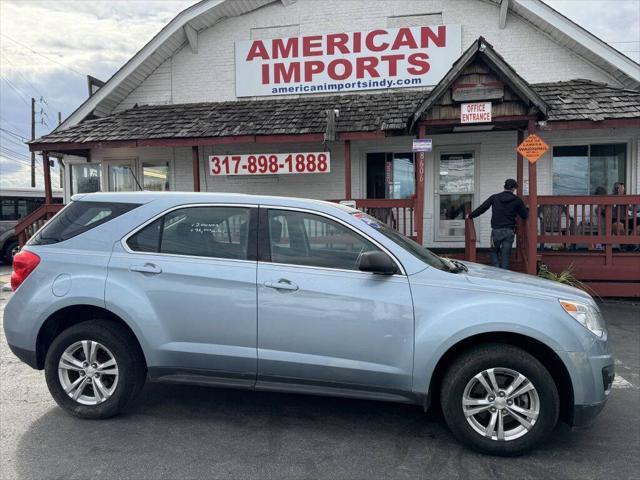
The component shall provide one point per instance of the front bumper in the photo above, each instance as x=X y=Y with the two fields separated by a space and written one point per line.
x=591 y=372
x=583 y=416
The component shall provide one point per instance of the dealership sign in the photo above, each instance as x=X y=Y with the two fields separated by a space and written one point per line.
x=339 y=62
x=475 y=112
x=270 y=163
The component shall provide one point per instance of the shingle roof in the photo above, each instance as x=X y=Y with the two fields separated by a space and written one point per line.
x=588 y=100
x=358 y=113
x=571 y=100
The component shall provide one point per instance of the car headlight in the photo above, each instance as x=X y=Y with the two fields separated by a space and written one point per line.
x=588 y=316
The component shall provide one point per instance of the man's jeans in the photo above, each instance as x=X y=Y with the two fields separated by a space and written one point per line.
x=501 y=243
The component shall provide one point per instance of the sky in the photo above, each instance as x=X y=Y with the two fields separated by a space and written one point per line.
x=47 y=47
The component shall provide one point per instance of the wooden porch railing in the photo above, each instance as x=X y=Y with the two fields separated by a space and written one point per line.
x=399 y=214
x=591 y=222
x=596 y=236
x=30 y=224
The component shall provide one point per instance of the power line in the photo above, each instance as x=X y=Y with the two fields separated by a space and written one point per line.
x=7 y=138
x=12 y=151
x=42 y=100
x=21 y=160
x=16 y=158
x=43 y=56
x=13 y=125
x=40 y=171
x=35 y=89
x=8 y=156
x=15 y=134
x=17 y=90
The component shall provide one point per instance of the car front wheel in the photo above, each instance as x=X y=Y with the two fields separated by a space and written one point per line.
x=499 y=399
x=94 y=369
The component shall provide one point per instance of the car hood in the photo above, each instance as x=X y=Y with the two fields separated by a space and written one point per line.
x=500 y=279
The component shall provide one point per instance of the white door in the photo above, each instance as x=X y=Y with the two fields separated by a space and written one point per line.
x=455 y=187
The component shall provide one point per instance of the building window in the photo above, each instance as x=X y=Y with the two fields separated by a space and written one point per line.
x=121 y=177
x=85 y=178
x=390 y=175
x=15 y=208
x=156 y=176
x=588 y=169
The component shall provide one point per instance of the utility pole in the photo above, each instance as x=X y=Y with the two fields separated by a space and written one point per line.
x=33 y=137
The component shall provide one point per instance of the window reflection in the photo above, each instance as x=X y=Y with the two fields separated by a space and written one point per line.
x=85 y=178
x=585 y=169
x=156 y=177
x=390 y=175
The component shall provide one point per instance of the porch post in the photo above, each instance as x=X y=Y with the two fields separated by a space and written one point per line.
x=48 y=197
x=195 y=158
x=520 y=238
x=347 y=169
x=519 y=165
x=419 y=209
x=532 y=221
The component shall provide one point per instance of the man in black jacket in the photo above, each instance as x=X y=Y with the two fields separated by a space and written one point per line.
x=504 y=208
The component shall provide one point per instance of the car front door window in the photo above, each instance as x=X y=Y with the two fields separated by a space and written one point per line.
x=300 y=238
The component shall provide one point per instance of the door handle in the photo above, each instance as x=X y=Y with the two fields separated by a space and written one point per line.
x=282 y=284
x=146 y=268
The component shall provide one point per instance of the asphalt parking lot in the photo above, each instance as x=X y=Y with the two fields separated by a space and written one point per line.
x=194 y=432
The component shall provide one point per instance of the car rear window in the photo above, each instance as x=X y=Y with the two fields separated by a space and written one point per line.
x=77 y=218
x=215 y=232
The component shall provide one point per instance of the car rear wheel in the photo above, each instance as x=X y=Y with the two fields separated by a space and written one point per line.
x=499 y=399
x=94 y=369
x=10 y=250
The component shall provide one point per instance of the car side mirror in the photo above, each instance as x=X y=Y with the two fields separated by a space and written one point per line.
x=378 y=262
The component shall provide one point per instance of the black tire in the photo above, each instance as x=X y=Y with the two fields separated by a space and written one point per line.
x=484 y=357
x=127 y=354
x=7 y=253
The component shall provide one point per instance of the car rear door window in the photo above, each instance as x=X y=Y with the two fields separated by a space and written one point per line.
x=301 y=238
x=79 y=217
x=216 y=232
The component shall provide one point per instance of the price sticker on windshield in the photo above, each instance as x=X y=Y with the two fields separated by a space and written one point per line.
x=270 y=163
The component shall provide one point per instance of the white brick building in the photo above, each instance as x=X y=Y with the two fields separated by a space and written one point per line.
x=589 y=110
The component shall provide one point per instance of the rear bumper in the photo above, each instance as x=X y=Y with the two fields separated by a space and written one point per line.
x=27 y=356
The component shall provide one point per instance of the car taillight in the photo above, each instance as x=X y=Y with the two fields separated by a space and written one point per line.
x=24 y=263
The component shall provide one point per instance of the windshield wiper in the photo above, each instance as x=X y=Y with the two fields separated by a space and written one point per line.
x=460 y=267
x=454 y=266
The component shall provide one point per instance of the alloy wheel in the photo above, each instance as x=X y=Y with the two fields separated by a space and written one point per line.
x=88 y=372
x=501 y=404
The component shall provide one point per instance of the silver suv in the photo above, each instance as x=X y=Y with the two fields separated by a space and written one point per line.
x=283 y=294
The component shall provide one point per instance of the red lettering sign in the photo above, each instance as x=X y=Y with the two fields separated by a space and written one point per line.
x=335 y=62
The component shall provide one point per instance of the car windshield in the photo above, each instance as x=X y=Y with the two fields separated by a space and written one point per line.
x=412 y=247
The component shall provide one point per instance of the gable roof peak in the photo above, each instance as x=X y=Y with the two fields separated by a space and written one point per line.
x=483 y=50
